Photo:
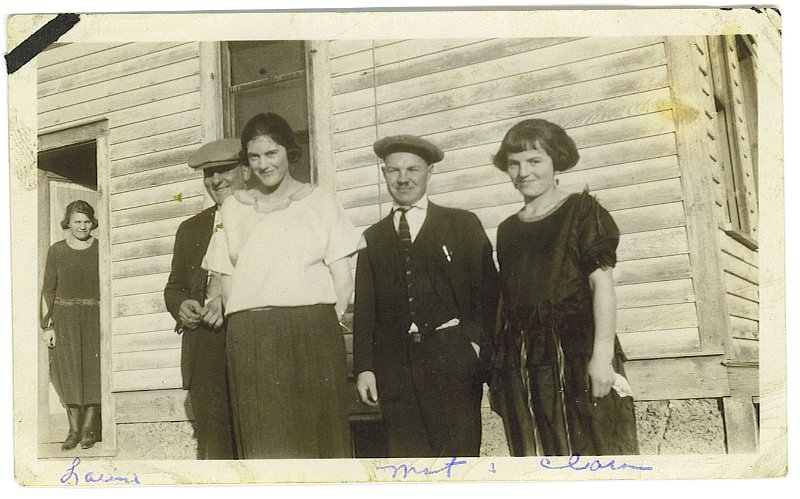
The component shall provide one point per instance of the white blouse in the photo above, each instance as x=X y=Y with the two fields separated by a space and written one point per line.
x=280 y=256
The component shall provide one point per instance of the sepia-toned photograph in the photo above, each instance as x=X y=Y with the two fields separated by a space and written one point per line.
x=407 y=256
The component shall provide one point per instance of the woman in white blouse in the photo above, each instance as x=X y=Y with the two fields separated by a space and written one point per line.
x=281 y=265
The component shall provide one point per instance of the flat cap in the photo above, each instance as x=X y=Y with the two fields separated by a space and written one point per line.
x=408 y=143
x=218 y=153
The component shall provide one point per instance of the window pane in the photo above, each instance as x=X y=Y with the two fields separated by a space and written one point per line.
x=286 y=99
x=253 y=61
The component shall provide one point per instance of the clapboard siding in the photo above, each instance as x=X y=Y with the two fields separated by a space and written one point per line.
x=536 y=103
x=152 y=359
x=142 y=249
x=151 y=178
x=657 y=344
x=169 y=192
x=740 y=271
x=160 y=228
x=119 y=62
x=148 y=379
x=142 y=323
x=544 y=61
x=146 y=341
x=120 y=85
x=178 y=121
x=439 y=61
x=140 y=284
x=167 y=209
x=149 y=303
x=145 y=162
x=142 y=266
x=55 y=62
x=551 y=78
x=103 y=107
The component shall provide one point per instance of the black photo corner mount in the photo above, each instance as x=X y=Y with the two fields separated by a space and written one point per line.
x=40 y=40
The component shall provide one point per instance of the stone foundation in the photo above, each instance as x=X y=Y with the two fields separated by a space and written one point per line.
x=663 y=427
x=169 y=440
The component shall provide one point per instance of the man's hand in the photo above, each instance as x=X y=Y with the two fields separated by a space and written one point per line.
x=190 y=313
x=367 y=388
x=212 y=313
x=49 y=338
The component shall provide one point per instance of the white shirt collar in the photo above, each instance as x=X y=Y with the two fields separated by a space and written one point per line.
x=422 y=204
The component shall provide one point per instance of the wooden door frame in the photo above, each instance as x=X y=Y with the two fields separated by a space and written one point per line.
x=51 y=139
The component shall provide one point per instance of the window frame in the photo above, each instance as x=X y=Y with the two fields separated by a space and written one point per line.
x=734 y=151
x=228 y=103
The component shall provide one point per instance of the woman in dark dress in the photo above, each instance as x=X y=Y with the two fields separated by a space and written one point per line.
x=560 y=383
x=71 y=322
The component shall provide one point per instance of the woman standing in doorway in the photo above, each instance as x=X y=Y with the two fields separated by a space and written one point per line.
x=283 y=270
x=561 y=388
x=70 y=319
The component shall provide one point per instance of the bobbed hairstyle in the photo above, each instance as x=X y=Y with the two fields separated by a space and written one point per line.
x=79 y=206
x=274 y=127
x=538 y=134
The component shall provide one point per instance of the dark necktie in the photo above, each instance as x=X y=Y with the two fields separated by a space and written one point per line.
x=403 y=231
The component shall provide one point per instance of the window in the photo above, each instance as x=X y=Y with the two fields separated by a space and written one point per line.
x=268 y=76
x=733 y=69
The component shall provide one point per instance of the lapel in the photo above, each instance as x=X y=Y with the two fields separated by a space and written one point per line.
x=206 y=227
x=433 y=238
x=389 y=245
x=434 y=229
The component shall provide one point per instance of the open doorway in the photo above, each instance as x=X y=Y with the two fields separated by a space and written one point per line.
x=68 y=171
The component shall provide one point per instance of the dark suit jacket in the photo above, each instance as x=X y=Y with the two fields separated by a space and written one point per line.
x=380 y=323
x=188 y=281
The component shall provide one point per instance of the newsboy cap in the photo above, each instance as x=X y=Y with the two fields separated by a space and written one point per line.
x=218 y=153
x=408 y=143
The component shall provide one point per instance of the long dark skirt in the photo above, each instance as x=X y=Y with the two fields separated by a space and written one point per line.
x=75 y=360
x=287 y=373
x=563 y=422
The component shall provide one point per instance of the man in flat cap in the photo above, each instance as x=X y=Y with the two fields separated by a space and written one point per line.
x=203 y=360
x=426 y=295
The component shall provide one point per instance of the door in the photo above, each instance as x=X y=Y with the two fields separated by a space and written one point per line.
x=56 y=191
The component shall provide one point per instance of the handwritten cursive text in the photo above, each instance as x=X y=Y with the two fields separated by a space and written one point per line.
x=574 y=463
x=404 y=470
x=73 y=477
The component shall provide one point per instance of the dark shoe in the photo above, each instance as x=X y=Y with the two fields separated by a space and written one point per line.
x=71 y=442
x=74 y=414
x=91 y=421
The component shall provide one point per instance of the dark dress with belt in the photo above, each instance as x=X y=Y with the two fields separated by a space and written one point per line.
x=71 y=291
x=542 y=386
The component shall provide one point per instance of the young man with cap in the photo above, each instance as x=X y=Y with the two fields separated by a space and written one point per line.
x=426 y=296
x=203 y=360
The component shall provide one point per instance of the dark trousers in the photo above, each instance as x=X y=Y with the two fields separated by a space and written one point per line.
x=210 y=400
x=435 y=409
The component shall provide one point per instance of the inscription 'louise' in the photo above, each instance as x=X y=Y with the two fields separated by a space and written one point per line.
x=73 y=477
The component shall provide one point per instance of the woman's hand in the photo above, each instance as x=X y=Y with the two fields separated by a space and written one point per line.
x=367 y=388
x=49 y=337
x=212 y=313
x=601 y=377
